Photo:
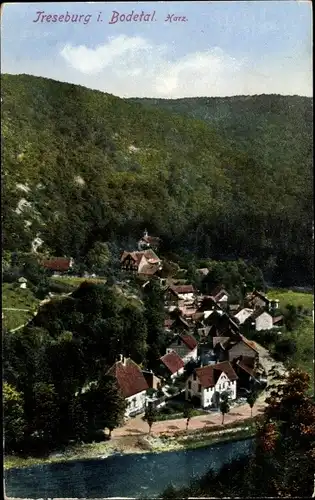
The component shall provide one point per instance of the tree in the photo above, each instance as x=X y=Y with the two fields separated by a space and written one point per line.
x=13 y=416
x=287 y=436
x=284 y=348
x=31 y=269
x=115 y=404
x=150 y=416
x=46 y=415
x=98 y=257
x=291 y=317
x=251 y=400
x=105 y=405
x=224 y=405
x=187 y=413
x=78 y=419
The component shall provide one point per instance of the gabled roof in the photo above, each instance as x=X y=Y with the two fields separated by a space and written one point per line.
x=218 y=292
x=209 y=375
x=149 y=254
x=249 y=343
x=246 y=367
x=258 y=313
x=261 y=295
x=244 y=311
x=189 y=341
x=182 y=289
x=223 y=341
x=250 y=297
x=172 y=361
x=57 y=264
x=129 y=377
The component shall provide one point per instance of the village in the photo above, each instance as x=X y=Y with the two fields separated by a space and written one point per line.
x=208 y=358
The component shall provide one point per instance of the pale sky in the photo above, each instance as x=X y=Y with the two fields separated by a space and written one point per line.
x=221 y=49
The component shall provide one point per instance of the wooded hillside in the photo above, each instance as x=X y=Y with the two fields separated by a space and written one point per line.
x=236 y=182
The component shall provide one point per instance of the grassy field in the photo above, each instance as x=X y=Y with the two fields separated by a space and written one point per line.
x=16 y=298
x=289 y=297
x=304 y=355
x=76 y=281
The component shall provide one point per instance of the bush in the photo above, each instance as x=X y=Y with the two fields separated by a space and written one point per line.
x=57 y=287
x=284 y=349
x=11 y=276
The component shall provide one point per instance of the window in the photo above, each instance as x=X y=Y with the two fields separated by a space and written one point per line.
x=199 y=388
x=189 y=385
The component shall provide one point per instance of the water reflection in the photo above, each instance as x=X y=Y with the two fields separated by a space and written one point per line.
x=121 y=475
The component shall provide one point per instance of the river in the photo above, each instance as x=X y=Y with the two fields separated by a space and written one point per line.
x=137 y=475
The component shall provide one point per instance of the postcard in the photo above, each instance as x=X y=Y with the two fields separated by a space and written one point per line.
x=157 y=249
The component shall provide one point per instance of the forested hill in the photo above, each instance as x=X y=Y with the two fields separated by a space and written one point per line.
x=84 y=166
x=267 y=126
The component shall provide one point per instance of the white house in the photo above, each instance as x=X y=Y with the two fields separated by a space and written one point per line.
x=208 y=382
x=185 y=346
x=131 y=383
x=173 y=364
x=263 y=321
x=243 y=314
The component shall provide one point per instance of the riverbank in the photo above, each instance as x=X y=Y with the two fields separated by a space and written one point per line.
x=140 y=444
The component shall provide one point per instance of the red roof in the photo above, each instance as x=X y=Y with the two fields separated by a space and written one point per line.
x=209 y=375
x=189 y=341
x=129 y=377
x=149 y=254
x=57 y=264
x=173 y=362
